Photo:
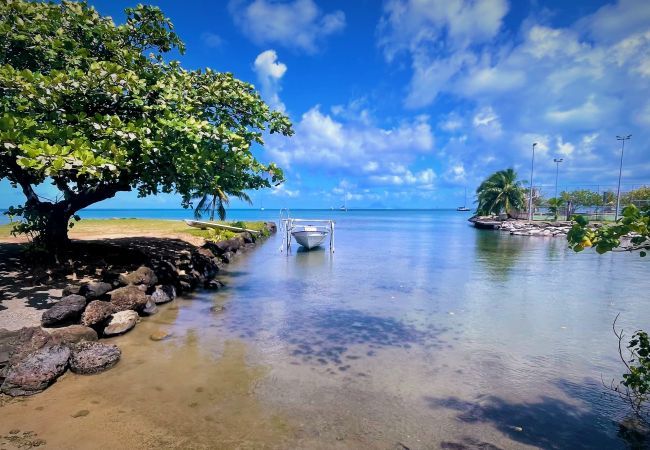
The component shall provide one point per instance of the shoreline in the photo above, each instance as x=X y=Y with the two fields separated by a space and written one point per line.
x=60 y=317
x=518 y=227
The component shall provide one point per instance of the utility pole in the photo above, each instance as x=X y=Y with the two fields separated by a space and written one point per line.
x=530 y=197
x=620 y=173
x=557 y=162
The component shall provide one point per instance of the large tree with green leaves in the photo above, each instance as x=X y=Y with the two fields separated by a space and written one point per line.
x=500 y=192
x=94 y=109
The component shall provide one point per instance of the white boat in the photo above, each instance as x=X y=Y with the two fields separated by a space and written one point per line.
x=309 y=236
x=309 y=233
x=464 y=207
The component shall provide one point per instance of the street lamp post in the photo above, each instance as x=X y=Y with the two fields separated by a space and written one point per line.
x=620 y=172
x=557 y=162
x=530 y=197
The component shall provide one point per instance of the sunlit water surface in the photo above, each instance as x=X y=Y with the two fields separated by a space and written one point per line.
x=419 y=331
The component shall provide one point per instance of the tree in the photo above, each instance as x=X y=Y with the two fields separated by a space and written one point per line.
x=500 y=192
x=554 y=205
x=581 y=197
x=94 y=109
x=635 y=224
x=217 y=201
x=638 y=197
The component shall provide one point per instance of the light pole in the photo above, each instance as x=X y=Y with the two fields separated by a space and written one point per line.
x=620 y=172
x=557 y=162
x=530 y=197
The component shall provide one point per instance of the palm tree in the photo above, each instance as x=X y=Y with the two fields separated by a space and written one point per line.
x=217 y=200
x=500 y=192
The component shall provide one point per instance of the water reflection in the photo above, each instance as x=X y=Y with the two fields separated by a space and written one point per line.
x=498 y=253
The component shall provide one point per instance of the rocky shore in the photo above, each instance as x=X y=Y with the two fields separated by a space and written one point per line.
x=522 y=227
x=124 y=282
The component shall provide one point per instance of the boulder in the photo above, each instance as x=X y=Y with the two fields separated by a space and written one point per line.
x=164 y=294
x=272 y=227
x=93 y=357
x=121 y=322
x=37 y=371
x=226 y=257
x=150 y=308
x=97 y=312
x=16 y=345
x=71 y=289
x=142 y=275
x=95 y=290
x=72 y=334
x=248 y=238
x=214 y=284
x=66 y=311
x=128 y=297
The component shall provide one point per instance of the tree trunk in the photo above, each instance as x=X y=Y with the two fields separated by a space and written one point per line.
x=55 y=233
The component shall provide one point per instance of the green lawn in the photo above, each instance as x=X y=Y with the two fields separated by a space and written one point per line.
x=96 y=228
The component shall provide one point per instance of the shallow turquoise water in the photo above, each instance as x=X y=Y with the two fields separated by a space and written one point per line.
x=423 y=330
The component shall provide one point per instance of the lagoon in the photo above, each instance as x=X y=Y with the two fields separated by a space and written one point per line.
x=420 y=331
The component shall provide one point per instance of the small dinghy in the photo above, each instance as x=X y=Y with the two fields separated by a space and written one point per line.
x=309 y=236
x=309 y=233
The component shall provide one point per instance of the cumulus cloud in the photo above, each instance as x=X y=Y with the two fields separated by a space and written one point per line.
x=269 y=73
x=571 y=88
x=299 y=25
x=355 y=148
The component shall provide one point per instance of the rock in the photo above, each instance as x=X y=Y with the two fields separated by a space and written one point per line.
x=271 y=227
x=164 y=294
x=217 y=308
x=128 y=297
x=97 y=312
x=95 y=290
x=16 y=345
x=93 y=357
x=150 y=308
x=72 y=334
x=65 y=311
x=214 y=284
x=71 y=289
x=159 y=335
x=143 y=275
x=184 y=286
x=37 y=371
x=121 y=322
x=226 y=257
x=248 y=237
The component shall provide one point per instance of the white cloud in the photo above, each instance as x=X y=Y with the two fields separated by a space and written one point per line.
x=487 y=124
x=355 y=148
x=282 y=191
x=269 y=72
x=212 y=40
x=299 y=25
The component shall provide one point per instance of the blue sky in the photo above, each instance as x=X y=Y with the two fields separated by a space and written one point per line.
x=405 y=103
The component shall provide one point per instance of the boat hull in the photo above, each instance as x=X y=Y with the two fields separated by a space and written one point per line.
x=309 y=239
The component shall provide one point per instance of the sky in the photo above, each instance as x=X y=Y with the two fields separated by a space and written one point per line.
x=407 y=103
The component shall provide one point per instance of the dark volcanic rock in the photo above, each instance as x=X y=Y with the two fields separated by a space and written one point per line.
x=72 y=334
x=93 y=357
x=121 y=322
x=96 y=312
x=128 y=297
x=16 y=345
x=37 y=371
x=164 y=294
x=95 y=290
x=271 y=227
x=71 y=289
x=65 y=311
x=214 y=284
x=143 y=275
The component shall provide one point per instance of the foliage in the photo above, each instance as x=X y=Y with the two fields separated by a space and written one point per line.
x=93 y=108
x=640 y=195
x=554 y=205
x=582 y=197
x=635 y=385
x=634 y=222
x=218 y=202
x=500 y=192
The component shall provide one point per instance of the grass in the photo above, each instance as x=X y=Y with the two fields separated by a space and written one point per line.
x=97 y=228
